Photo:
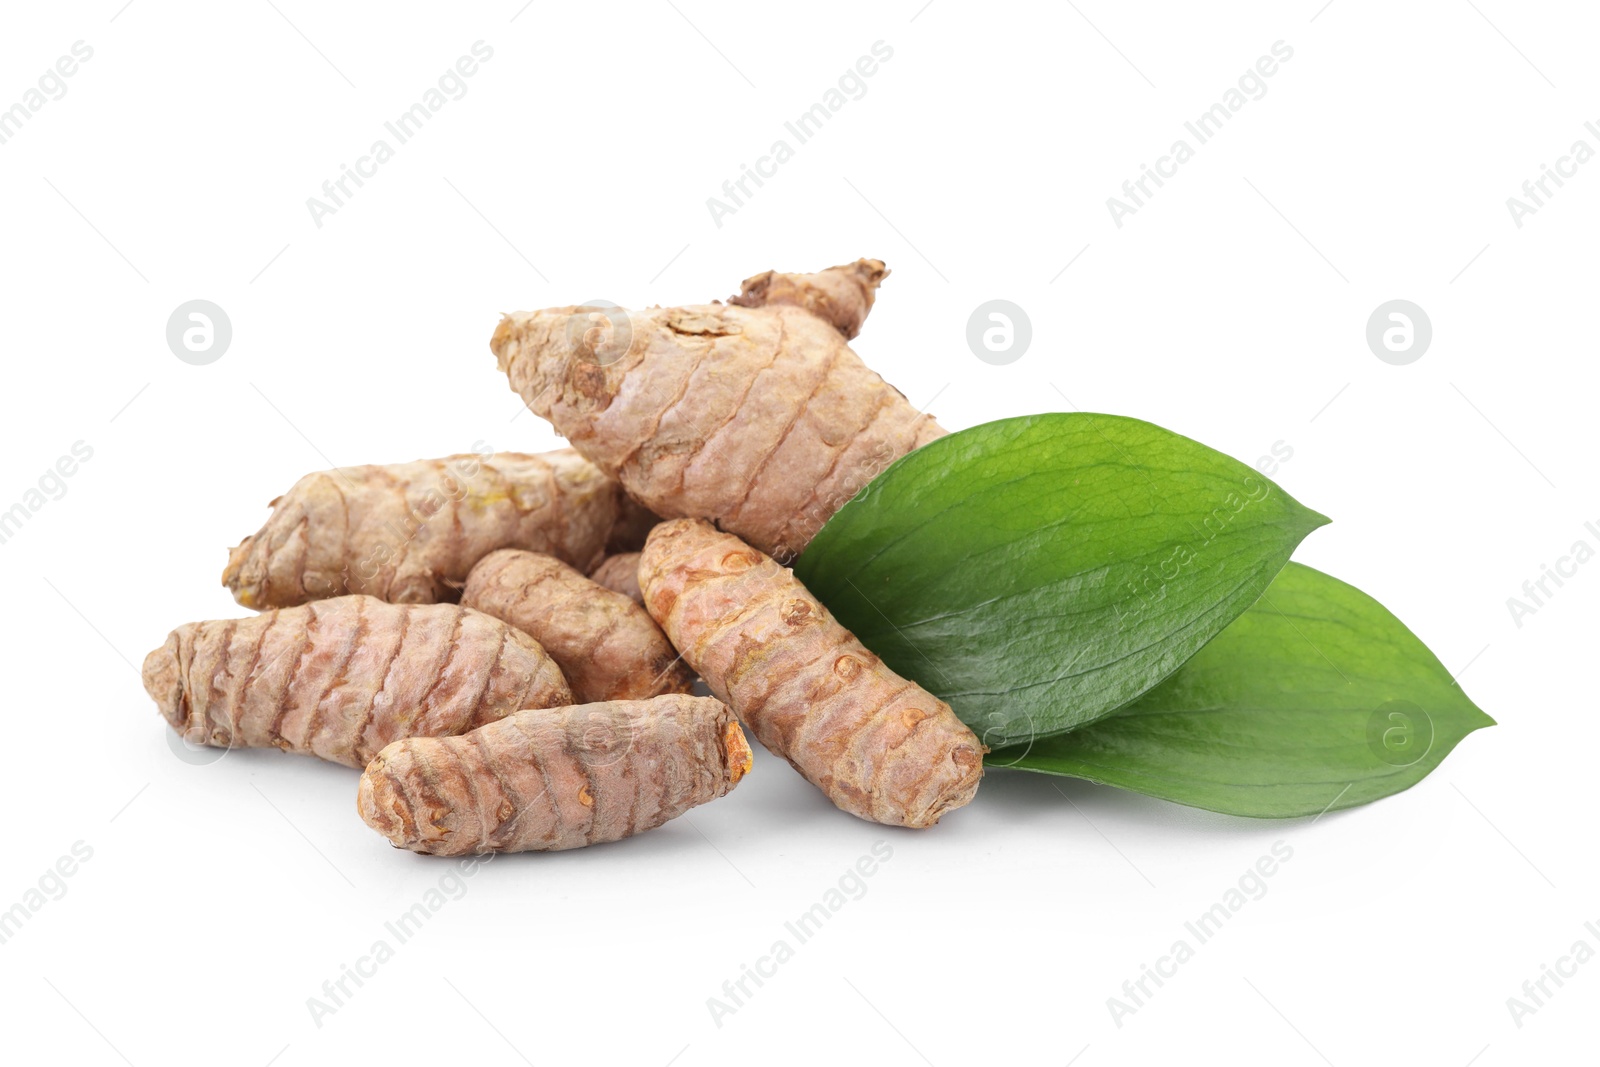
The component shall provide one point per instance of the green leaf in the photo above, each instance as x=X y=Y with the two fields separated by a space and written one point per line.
x=1315 y=699
x=1038 y=573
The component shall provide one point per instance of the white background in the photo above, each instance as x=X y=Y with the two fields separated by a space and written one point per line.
x=1231 y=308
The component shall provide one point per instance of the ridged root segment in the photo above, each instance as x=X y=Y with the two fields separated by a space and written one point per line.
x=620 y=574
x=879 y=746
x=555 y=779
x=607 y=646
x=761 y=419
x=841 y=296
x=408 y=533
x=342 y=678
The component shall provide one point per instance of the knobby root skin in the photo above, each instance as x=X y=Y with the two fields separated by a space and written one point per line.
x=879 y=746
x=342 y=678
x=408 y=533
x=607 y=646
x=620 y=574
x=761 y=419
x=555 y=779
x=841 y=295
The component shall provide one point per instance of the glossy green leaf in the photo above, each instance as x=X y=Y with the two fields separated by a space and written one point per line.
x=1040 y=572
x=1315 y=699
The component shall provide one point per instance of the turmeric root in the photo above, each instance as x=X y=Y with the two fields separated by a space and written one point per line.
x=760 y=418
x=409 y=532
x=879 y=746
x=841 y=295
x=546 y=780
x=620 y=574
x=341 y=678
x=607 y=646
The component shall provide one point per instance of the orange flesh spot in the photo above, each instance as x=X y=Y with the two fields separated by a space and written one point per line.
x=740 y=759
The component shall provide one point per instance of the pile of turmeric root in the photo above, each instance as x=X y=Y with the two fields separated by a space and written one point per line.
x=506 y=645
